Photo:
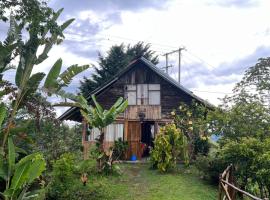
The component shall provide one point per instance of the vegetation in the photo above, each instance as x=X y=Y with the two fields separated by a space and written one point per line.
x=40 y=23
x=99 y=118
x=117 y=58
x=242 y=122
x=135 y=182
x=170 y=144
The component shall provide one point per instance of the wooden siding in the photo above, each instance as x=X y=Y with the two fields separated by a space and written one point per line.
x=170 y=95
x=151 y=112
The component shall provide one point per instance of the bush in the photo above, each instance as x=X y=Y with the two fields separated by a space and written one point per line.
x=62 y=177
x=66 y=183
x=169 y=145
x=210 y=167
x=201 y=145
x=119 y=149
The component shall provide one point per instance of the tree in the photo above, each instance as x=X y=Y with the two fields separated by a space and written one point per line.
x=40 y=22
x=256 y=81
x=118 y=57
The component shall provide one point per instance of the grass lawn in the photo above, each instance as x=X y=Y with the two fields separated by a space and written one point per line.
x=139 y=182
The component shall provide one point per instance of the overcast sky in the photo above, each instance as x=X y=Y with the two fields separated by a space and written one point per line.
x=222 y=37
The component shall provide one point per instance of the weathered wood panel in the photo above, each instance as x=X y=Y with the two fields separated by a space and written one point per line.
x=151 y=112
x=134 y=138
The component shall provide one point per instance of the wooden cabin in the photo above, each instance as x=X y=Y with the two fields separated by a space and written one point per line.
x=152 y=96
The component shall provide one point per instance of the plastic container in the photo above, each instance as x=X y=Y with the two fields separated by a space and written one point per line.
x=133 y=158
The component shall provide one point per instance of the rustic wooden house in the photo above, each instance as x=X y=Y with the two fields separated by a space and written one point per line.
x=151 y=94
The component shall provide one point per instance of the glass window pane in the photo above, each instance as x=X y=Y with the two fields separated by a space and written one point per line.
x=109 y=134
x=131 y=87
x=154 y=97
x=119 y=131
x=154 y=87
x=131 y=97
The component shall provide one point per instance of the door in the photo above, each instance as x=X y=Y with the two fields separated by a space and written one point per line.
x=134 y=139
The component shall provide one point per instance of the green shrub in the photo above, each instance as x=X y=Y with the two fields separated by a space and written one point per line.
x=210 y=166
x=201 y=145
x=119 y=149
x=62 y=177
x=169 y=145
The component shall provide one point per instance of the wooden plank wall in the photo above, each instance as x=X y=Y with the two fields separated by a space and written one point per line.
x=151 y=112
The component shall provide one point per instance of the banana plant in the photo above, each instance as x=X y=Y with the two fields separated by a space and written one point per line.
x=97 y=117
x=100 y=118
x=28 y=83
x=19 y=176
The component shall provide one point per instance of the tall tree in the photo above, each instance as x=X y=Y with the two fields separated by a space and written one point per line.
x=118 y=57
x=39 y=23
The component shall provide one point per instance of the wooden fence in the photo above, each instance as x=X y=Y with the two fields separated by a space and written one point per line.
x=227 y=189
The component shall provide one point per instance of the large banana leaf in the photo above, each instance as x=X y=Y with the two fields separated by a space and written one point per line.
x=11 y=156
x=33 y=83
x=66 y=24
x=26 y=171
x=18 y=180
x=70 y=72
x=98 y=106
x=19 y=72
x=3 y=112
x=3 y=168
x=51 y=79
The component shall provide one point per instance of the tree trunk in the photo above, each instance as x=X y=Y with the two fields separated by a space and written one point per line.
x=100 y=160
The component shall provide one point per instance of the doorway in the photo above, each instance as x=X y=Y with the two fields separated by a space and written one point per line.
x=147 y=137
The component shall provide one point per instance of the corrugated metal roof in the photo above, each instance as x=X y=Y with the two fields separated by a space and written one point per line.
x=165 y=76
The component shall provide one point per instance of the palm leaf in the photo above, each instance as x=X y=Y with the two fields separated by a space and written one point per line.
x=70 y=72
x=51 y=79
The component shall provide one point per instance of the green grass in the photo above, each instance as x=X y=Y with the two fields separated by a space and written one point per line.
x=139 y=182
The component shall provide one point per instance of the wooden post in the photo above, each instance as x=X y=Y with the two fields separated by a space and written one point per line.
x=220 y=188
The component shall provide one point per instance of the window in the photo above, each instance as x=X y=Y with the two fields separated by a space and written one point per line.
x=131 y=94
x=113 y=132
x=154 y=94
x=143 y=94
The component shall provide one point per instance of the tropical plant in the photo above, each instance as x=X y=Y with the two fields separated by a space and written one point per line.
x=99 y=118
x=19 y=176
x=169 y=145
x=44 y=32
x=119 y=148
x=192 y=121
x=117 y=58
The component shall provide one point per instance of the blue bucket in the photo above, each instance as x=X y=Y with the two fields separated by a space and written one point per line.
x=133 y=158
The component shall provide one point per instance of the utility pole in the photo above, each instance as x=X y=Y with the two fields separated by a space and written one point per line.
x=179 y=61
